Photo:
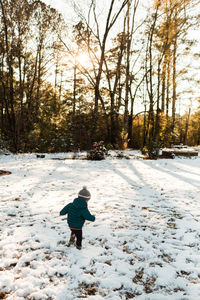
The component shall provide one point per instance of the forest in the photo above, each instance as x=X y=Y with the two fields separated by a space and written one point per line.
x=125 y=73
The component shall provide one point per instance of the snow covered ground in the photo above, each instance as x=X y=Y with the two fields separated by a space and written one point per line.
x=144 y=244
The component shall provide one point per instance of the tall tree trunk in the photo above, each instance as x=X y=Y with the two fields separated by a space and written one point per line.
x=39 y=77
x=98 y=77
x=61 y=85
x=113 y=89
x=163 y=77
x=174 y=84
x=127 y=83
x=144 y=126
x=149 y=81
x=110 y=21
x=157 y=122
x=167 y=89
x=130 y=21
x=187 y=125
x=74 y=92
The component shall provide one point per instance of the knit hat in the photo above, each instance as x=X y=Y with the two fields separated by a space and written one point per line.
x=84 y=193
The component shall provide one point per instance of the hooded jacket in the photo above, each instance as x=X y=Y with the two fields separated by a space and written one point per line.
x=77 y=212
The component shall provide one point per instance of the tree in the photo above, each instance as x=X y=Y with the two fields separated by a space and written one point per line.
x=169 y=24
x=101 y=37
x=24 y=25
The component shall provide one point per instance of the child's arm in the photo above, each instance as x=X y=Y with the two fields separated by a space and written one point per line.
x=87 y=215
x=64 y=211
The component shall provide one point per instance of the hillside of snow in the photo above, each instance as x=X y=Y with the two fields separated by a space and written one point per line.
x=144 y=244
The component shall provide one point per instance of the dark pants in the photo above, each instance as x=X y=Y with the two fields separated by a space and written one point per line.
x=78 y=235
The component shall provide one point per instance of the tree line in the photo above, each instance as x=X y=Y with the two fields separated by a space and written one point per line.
x=64 y=86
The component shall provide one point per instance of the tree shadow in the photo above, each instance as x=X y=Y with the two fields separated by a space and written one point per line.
x=157 y=194
x=193 y=182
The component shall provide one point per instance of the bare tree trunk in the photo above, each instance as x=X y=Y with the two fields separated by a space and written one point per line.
x=168 y=87
x=129 y=33
x=113 y=90
x=109 y=24
x=174 y=84
x=21 y=68
x=149 y=73
x=74 y=92
x=3 y=97
x=61 y=85
x=144 y=126
x=187 y=125
x=149 y=82
x=157 y=121
x=163 y=84
x=130 y=130
x=128 y=48
x=39 y=76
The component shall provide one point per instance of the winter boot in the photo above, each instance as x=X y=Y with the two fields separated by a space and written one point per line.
x=71 y=240
x=78 y=247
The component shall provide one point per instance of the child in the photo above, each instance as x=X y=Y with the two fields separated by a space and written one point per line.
x=78 y=212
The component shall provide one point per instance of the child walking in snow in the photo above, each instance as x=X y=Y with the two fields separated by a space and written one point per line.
x=77 y=212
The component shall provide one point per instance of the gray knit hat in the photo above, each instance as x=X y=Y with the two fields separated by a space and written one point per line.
x=84 y=193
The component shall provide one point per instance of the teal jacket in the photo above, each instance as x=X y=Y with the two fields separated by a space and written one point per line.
x=77 y=212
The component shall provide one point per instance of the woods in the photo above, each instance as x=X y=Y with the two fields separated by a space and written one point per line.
x=124 y=73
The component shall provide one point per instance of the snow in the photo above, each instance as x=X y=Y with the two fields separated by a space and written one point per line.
x=144 y=243
x=188 y=149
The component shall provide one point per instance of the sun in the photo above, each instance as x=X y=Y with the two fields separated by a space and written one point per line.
x=83 y=59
